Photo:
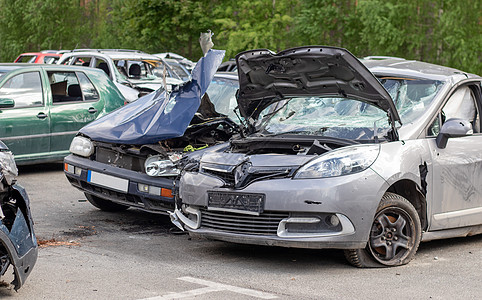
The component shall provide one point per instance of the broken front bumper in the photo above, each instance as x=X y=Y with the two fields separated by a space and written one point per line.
x=120 y=185
x=19 y=243
x=332 y=212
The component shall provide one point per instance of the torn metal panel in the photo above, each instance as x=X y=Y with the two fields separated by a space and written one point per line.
x=159 y=115
x=18 y=244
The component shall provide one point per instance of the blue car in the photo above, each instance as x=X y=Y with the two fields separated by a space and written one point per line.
x=18 y=244
x=129 y=158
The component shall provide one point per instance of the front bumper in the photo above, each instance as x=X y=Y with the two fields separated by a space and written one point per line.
x=290 y=207
x=131 y=195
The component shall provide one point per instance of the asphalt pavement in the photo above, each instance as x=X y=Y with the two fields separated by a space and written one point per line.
x=90 y=254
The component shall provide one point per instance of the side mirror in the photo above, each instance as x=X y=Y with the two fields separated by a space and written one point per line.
x=453 y=128
x=6 y=103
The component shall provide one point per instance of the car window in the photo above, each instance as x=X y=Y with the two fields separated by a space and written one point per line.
x=103 y=65
x=65 y=87
x=25 y=89
x=88 y=89
x=50 y=59
x=27 y=59
x=411 y=96
x=81 y=61
x=462 y=105
x=222 y=93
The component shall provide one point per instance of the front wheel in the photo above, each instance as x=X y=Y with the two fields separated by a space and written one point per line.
x=394 y=237
x=105 y=205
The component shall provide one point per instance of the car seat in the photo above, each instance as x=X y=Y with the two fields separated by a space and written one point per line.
x=135 y=71
x=74 y=92
x=105 y=67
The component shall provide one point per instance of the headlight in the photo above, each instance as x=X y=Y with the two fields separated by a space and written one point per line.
x=81 y=146
x=157 y=166
x=339 y=162
x=8 y=169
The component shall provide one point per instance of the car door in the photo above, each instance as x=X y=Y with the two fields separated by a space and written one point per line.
x=457 y=169
x=24 y=128
x=75 y=102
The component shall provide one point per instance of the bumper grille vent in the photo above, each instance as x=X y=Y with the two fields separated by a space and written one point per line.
x=264 y=224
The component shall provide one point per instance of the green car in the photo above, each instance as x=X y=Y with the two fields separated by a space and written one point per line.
x=43 y=106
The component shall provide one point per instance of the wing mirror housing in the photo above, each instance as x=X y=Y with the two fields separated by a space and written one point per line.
x=453 y=128
x=6 y=103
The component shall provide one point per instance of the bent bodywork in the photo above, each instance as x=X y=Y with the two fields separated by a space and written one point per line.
x=134 y=149
x=18 y=244
x=327 y=163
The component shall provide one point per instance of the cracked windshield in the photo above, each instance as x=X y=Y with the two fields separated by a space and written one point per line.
x=349 y=118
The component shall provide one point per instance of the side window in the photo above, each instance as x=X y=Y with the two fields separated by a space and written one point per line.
x=462 y=105
x=102 y=64
x=88 y=89
x=65 y=87
x=81 y=61
x=25 y=89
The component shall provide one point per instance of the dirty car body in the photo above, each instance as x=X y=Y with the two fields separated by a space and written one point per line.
x=18 y=244
x=327 y=163
x=134 y=150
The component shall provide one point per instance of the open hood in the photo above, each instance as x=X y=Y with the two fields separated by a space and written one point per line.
x=159 y=115
x=266 y=77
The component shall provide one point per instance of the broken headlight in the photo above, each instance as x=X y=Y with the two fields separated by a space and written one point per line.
x=8 y=169
x=82 y=146
x=157 y=166
x=341 y=162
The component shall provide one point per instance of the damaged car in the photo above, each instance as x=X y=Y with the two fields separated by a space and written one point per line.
x=128 y=159
x=368 y=156
x=18 y=244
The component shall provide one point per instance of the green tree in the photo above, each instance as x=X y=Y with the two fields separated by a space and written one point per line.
x=331 y=23
x=249 y=24
x=41 y=24
x=154 y=25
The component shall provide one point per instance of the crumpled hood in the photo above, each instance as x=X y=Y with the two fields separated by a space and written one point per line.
x=159 y=115
x=266 y=77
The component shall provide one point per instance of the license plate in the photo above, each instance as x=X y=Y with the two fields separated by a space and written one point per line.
x=248 y=203
x=108 y=181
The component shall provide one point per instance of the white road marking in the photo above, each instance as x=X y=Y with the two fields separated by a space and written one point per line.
x=212 y=287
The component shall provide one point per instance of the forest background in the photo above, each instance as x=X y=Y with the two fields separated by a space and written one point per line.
x=446 y=32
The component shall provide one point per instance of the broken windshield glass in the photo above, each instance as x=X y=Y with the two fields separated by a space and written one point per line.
x=348 y=118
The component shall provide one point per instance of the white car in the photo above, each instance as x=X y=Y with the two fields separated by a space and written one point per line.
x=135 y=73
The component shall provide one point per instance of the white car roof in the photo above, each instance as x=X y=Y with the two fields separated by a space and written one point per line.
x=114 y=54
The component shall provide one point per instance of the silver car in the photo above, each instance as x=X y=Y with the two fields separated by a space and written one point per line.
x=368 y=156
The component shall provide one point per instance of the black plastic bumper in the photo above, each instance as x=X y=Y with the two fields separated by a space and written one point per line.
x=133 y=197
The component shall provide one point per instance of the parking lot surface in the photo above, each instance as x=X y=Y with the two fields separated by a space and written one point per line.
x=90 y=254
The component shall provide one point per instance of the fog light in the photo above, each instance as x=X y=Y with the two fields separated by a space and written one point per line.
x=143 y=188
x=77 y=171
x=332 y=220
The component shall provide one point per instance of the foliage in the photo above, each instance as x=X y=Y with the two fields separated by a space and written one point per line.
x=247 y=24
x=446 y=32
x=40 y=24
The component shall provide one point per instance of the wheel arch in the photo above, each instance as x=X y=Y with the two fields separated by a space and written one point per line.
x=411 y=191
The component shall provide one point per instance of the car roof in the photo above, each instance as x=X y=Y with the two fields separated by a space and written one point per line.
x=114 y=53
x=12 y=66
x=413 y=69
x=41 y=54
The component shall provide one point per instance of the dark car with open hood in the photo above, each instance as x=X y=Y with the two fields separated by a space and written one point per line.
x=128 y=158
x=368 y=156
x=18 y=244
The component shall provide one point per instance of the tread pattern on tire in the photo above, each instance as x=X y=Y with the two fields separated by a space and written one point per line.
x=360 y=258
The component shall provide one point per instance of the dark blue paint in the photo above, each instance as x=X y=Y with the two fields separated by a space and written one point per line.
x=157 y=116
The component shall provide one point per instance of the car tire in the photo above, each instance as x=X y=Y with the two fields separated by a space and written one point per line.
x=105 y=205
x=394 y=236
